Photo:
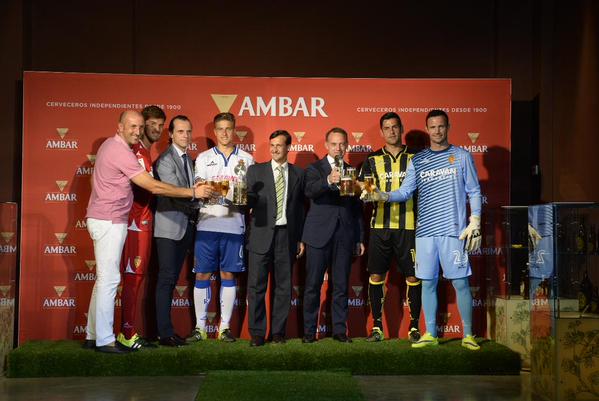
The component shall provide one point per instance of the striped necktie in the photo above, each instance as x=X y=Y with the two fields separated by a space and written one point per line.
x=280 y=191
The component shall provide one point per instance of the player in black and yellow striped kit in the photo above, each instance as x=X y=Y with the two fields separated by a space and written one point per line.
x=392 y=227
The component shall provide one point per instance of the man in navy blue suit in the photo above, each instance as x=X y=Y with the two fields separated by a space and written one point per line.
x=333 y=234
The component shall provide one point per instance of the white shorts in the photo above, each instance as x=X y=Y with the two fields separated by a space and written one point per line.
x=447 y=250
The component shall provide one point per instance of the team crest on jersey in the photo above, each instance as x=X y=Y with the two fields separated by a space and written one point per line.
x=451 y=159
x=137 y=261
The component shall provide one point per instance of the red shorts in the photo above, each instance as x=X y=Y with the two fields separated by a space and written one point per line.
x=137 y=252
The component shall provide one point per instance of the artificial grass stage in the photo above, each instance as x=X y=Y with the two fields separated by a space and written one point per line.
x=277 y=386
x=390 y=357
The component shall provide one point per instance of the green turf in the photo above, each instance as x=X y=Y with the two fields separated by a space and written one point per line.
x=390 y=357
x=278 y=386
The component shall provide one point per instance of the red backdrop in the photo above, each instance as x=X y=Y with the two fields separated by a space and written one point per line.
x=67 y=116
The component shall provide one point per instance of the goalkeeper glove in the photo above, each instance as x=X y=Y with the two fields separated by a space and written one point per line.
x=472 y=234
x=533 y=236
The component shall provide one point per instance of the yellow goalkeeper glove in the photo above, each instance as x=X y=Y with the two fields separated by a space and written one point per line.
x=472 y=234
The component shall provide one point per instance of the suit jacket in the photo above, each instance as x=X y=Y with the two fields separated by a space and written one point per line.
x=327 y=208
x=262 y=199
x=172 y=214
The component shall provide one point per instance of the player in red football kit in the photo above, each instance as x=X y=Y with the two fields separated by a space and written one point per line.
x=138 y=245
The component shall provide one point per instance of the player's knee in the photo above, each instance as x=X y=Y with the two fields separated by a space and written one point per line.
x=376 y=279
x=227 y=276
x=203 y=276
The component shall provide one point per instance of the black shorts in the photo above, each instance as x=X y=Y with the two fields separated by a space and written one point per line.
x=384 y=243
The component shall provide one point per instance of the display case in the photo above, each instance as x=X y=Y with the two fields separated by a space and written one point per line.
x=508 y=312
x=564 y=303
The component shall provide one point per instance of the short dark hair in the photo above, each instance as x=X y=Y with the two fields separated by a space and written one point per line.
x=281 y=132
x=338 y=131
x=388 y=116
x=153 y=111
x=224 y=116
x=437 y=113
x=171 y=125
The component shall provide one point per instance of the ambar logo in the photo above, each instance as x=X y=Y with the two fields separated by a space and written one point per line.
x=60 y=301
x=180 y=301
x=357 y=136
x=475 y=148
x=357 y=301
x=61 y=196
x=87 y=275
x=7 y=236
x=60 y=249
x=5 y=300
x=62 y=143
x=241 y=135
x=300 y=147
x=276 y=106
x=7 y=247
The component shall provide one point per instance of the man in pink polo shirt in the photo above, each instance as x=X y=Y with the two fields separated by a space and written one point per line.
x=109 y=204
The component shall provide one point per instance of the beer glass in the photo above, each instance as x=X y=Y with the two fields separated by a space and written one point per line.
x=346 y=187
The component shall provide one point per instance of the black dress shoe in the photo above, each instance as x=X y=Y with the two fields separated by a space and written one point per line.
x=278 y=339
x=172 y=341
x=113 y=349
x=309 y=338
x=342 y=338
x=89 y=344
x=256 y=341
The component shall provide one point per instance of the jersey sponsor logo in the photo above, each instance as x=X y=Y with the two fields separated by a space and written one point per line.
x=60 y=301
x=62 y=143
x=212 y=163
x=389 y=175
x=439 y=174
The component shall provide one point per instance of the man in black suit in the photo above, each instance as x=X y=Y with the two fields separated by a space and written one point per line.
x=333 y=233
x=276 y=199
x=174 y=224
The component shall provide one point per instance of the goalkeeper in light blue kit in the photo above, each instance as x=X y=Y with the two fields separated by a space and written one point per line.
x=445 y=177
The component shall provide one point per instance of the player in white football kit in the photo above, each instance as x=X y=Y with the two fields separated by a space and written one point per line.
x=219 y=243
x=446 y=178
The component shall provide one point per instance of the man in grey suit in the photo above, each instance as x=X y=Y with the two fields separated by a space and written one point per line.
x=276 y=199
x=174 y=224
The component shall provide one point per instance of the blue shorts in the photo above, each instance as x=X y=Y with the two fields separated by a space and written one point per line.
x=540 y=260
x=447 y=250
x=218 y=251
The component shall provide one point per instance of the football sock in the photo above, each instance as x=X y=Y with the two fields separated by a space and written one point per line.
x=227 y=301
x=202 y=294
x=414 y=300
x=464 y=298
x=131 y=284
x=376 y=295
x=429 y=304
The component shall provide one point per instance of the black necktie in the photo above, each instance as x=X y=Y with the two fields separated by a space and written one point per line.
x=184 y=156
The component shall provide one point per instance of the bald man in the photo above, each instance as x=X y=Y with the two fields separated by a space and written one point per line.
x=107 y=212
